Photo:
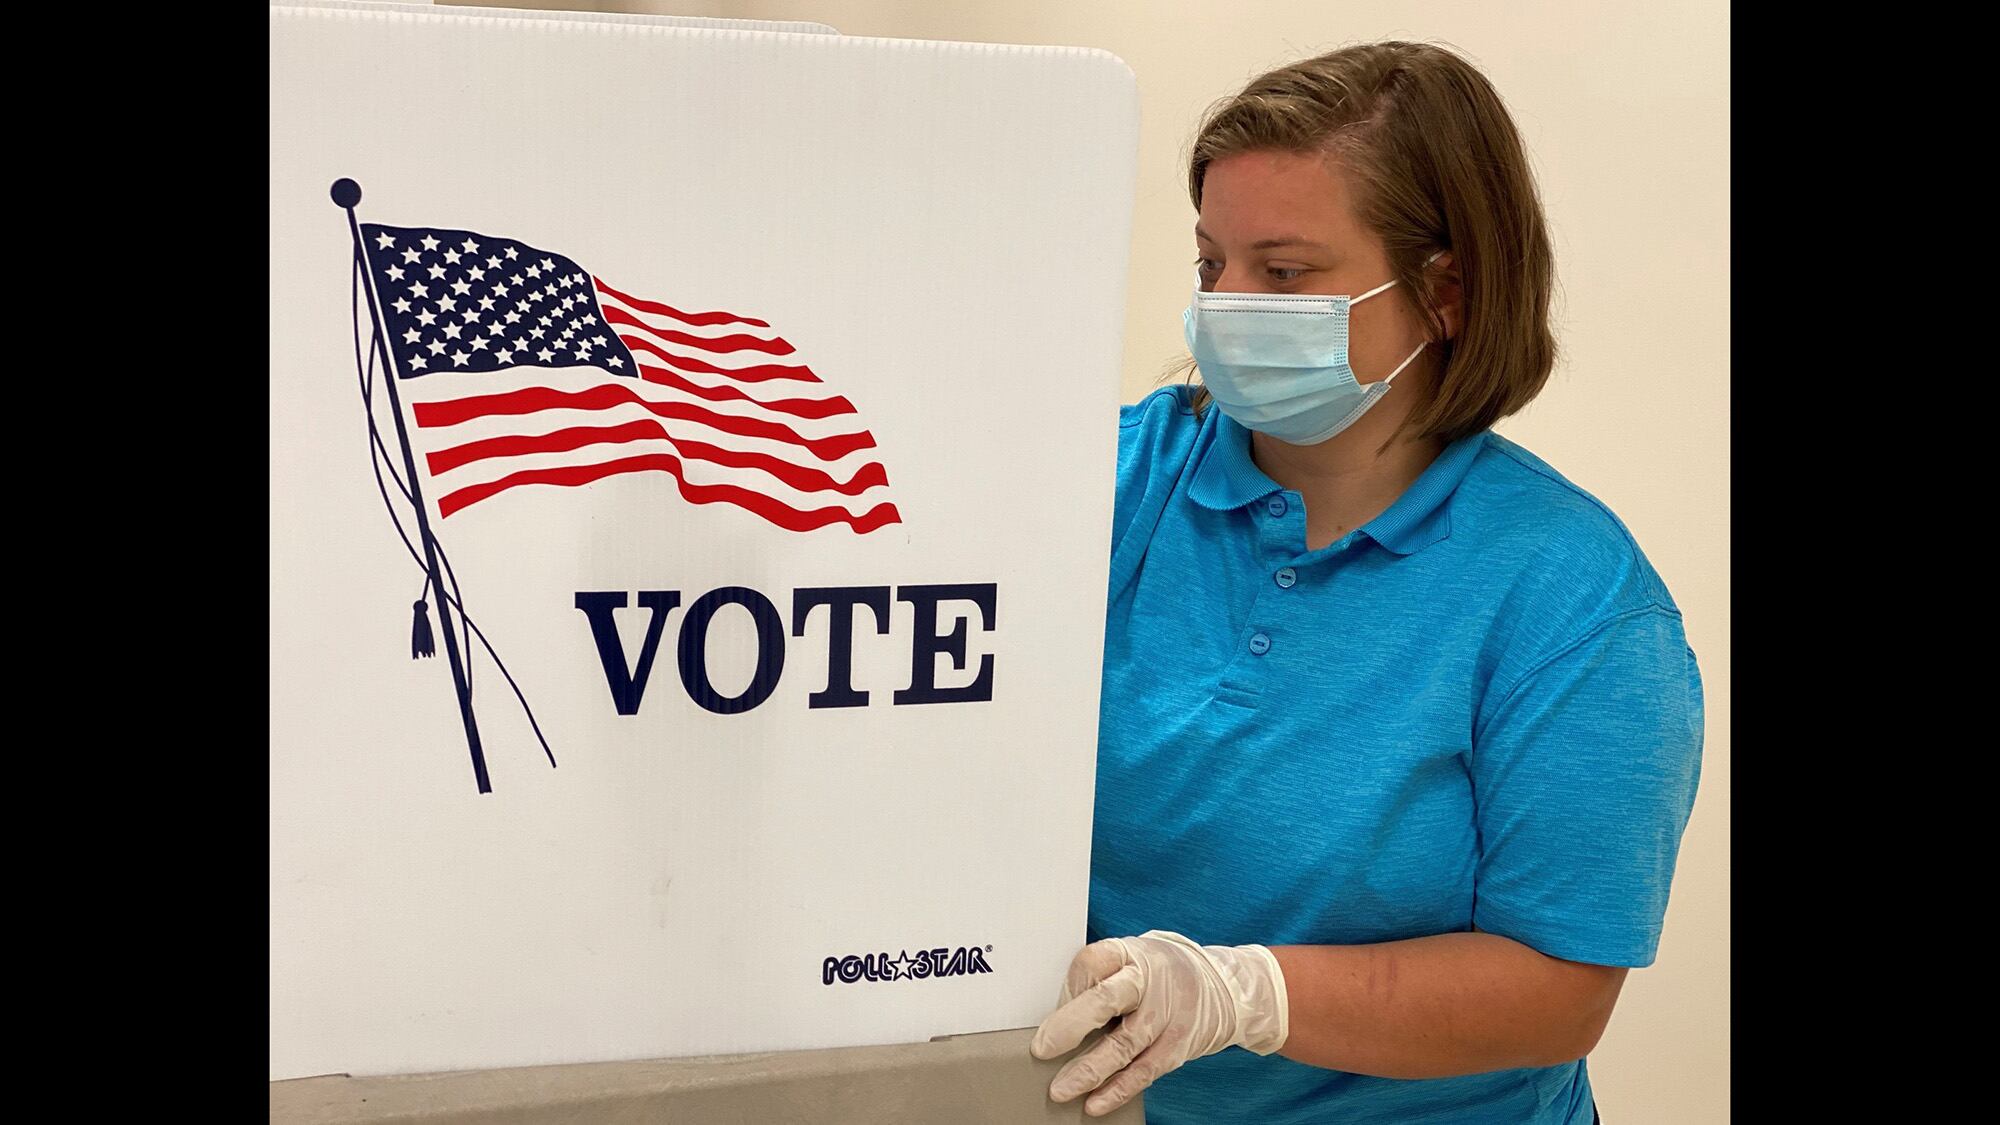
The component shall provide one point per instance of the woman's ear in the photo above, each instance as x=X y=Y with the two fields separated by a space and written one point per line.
x=1447 y=294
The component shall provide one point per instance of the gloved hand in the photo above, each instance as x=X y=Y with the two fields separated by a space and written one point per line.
x=1179 y=1001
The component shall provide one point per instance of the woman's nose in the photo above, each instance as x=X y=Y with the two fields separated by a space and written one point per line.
x=1238 y=281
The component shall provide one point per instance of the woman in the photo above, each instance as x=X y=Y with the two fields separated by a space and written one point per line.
x=1400 y=728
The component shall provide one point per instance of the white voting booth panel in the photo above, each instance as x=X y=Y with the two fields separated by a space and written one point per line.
x=800 y=26
x=775 y=721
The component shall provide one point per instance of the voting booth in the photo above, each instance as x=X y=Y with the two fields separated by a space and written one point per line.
x=691 y=485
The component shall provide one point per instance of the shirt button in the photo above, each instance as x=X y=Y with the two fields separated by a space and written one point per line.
x=1276 y=505
x=1259 y=643
x=1286 y=577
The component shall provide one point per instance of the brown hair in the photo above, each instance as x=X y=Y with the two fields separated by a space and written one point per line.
x=1437 y=164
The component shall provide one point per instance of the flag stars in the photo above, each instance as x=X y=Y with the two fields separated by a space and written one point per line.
x=535 y=308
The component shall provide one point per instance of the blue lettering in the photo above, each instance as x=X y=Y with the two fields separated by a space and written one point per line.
x=694 y=649
x=626 y=686
x=926 y=644
x=841 y=602
x=627 y=679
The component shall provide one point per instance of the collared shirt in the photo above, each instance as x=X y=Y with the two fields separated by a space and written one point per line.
x=1479 y=709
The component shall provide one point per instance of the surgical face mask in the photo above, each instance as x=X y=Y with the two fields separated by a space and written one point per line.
x=1277 y=362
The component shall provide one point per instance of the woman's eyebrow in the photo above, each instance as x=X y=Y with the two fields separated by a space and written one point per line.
x=1268 y=243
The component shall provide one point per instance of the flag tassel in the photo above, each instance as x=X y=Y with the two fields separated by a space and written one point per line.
x=421 y=642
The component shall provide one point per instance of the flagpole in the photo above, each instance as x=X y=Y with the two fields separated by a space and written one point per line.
x=347 y=193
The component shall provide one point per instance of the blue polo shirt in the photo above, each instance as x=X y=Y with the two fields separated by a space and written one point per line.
x=1477 y=710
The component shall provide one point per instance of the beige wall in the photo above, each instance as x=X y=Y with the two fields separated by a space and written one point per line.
x=1625 y=108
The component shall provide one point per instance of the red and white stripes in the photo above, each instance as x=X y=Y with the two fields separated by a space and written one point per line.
x=721 y=404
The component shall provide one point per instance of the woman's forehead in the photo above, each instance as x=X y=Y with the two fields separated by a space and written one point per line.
x=1261 y=200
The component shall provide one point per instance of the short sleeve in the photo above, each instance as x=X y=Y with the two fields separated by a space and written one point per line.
x=1584 y=774
x=1155 y=436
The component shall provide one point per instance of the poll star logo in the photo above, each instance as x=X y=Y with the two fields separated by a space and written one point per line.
x=493 y=342
x=943 y=961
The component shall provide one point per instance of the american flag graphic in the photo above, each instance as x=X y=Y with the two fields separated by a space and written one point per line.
x=520 y=368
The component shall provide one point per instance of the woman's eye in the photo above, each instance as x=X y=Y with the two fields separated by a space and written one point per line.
x=1289 y=275
x=1208 y=265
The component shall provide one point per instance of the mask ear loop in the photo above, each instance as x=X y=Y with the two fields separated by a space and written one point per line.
x=1357 y=300
x=1420 y=347
x=1388 y=283
x=1399 y=367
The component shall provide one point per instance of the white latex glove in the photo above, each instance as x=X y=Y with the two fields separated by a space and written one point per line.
x=1179 y=1001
